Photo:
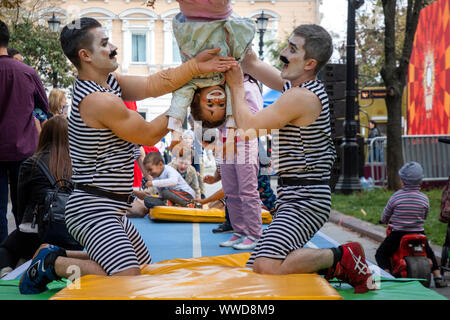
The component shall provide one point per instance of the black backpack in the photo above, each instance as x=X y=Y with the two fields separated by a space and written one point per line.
x=51 y=213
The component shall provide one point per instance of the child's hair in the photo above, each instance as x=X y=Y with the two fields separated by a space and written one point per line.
x=153 y=158
x=196 y=112
x=12 y=51
x=55 y=98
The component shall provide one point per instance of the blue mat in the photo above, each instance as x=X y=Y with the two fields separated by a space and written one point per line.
x=172 y=240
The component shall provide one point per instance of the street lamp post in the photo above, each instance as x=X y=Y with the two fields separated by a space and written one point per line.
x=349 y=179
x=53 y=24
x=261 y=23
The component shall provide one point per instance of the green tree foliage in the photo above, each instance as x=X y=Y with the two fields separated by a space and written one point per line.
x=42 y=50
x=39 y=46
x=370 y=33
x=10 y=4
x=369 y=43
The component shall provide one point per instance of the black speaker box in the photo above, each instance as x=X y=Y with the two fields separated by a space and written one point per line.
x=337 y=108
x=335 y=90
x=334 y=72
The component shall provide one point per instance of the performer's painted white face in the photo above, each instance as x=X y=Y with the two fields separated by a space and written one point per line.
x=103 y=55
x=212 y=103
x=293 y=57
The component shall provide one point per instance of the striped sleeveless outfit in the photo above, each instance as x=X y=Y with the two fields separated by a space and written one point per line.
x=305 y=153
x=101 y=159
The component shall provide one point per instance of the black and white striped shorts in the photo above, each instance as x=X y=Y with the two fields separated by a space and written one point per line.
x=300 y=212
x=110 y=239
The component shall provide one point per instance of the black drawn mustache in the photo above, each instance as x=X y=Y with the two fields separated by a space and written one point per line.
x=284 y=59
x=113 y=54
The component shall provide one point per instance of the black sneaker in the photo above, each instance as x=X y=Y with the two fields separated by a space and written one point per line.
x=224 y=228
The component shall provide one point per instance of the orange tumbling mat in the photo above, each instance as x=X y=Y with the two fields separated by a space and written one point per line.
x=205 y=278
x=182 y=214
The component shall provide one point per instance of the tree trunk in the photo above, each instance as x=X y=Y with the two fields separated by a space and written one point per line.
x=394 y=75
x=394 y=154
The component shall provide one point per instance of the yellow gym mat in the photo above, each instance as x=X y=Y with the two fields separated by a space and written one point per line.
x=205 y=278
x=183 y=214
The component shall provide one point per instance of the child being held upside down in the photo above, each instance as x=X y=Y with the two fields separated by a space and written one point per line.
x=204 y=24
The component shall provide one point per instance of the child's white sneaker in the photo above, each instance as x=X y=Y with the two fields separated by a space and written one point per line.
x=235 y=239
x=249 y=243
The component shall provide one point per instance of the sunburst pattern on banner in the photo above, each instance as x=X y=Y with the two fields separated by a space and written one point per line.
x=429 y=72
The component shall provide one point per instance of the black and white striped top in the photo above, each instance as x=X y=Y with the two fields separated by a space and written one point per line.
x=306 y=152
x=99 y=157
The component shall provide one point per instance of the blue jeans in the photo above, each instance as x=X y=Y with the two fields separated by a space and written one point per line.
x=377 y=154
x=9 y=174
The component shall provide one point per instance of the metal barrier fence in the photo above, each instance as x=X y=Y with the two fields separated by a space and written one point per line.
x=424 y=149
x=376 y=155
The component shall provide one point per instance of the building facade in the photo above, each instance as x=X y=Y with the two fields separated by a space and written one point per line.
x=144 y=34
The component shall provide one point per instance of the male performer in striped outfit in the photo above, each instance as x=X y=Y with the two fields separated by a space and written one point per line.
x=103 y=135
x=303 y=154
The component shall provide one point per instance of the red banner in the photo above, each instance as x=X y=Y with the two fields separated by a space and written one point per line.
x=429 y=72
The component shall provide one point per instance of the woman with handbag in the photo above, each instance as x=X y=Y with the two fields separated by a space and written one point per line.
x=33 y=185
